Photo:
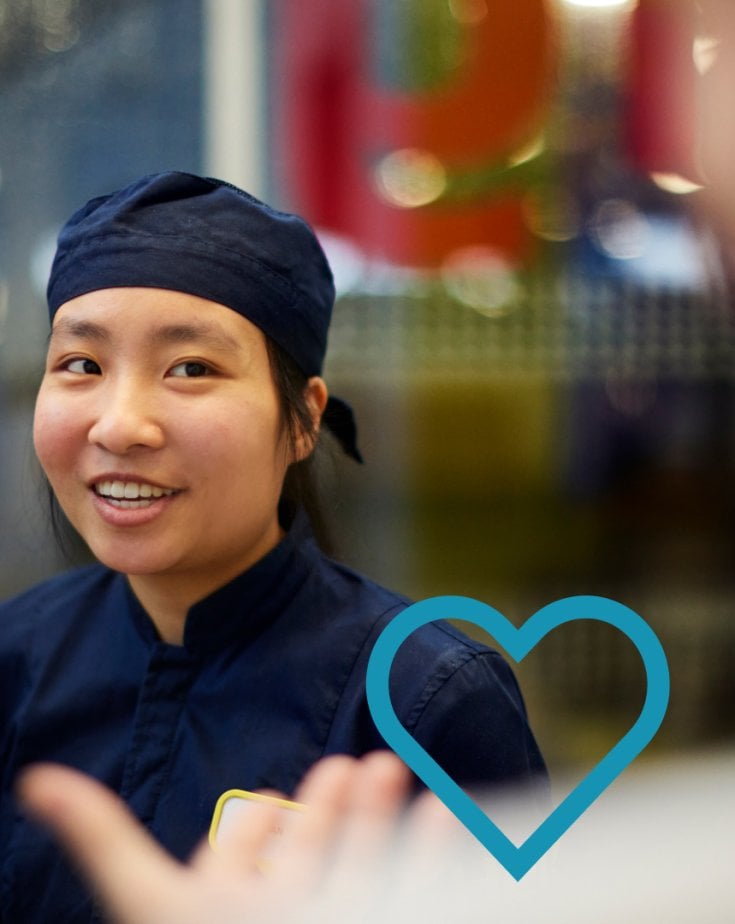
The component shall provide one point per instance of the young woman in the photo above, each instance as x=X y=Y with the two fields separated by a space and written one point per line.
x=214 y=646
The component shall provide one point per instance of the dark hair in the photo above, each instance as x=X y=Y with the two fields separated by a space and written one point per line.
x=70 y=544
x=301 y=486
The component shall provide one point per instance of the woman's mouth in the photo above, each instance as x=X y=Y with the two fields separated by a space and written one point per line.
x=131 y=495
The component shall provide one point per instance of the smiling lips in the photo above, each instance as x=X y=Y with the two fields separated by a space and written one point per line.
x=131 y=495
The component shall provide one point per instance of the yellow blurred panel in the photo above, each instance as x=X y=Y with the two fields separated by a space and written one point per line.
x=481 y=439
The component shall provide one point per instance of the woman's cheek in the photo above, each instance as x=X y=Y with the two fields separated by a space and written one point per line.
x=53 y=431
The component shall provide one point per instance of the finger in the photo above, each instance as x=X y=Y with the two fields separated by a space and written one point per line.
x=272 y=794
x=340 y=790
x=376 y=800
x=381 y=786
x=242 y=847
x=310 y=842
x=430 y=820
x=131 y=873
x=326 y=780
x=429 y=844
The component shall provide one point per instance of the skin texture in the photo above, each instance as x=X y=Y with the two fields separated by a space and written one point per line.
x=162 y=387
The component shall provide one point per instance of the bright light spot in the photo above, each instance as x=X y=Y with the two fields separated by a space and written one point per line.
x=62 y=40
x=386 y=280
x=481 y=278
x=551 y=217
x=346 y=260
x=675 y=183
x=468 y=12
x=42 y=257
x=530 y=150
x=55 y=18
x=704 y=52
x=600 y=4
x=656 y=251
x=620 y=229
x=409 y=178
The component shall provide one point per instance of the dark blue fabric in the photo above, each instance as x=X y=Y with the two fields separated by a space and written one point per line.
x=207 y=238
x=270 y=678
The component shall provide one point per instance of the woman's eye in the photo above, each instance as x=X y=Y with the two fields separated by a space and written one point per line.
x=190 y=370
x=83 y=367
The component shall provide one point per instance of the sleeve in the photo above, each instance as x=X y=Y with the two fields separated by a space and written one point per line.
x=473 y=722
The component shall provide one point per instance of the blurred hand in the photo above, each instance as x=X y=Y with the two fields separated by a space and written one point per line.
x=331 y=856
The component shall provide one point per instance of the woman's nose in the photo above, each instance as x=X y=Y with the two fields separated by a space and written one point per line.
x=125 y=420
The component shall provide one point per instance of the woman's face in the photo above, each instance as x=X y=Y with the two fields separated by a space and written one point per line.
x=158 y=426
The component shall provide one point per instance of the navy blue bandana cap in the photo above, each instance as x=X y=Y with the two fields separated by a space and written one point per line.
x=208 y=238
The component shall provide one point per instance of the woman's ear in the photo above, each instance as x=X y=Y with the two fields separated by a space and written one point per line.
x=315 y=395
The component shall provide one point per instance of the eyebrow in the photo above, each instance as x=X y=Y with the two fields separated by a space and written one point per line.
x=82 y=330
x=169 y=334
x=208 y=334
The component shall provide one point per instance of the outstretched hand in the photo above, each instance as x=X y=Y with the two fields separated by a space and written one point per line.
x=330 y=853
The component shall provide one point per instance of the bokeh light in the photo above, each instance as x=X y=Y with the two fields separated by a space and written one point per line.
x=481 y=278
x=409 y=178
x=468 y=12
x=705 y=50
x=675 y=183
x=602 y=4
x=529 y=151
x=620 y=229
x=553 y=217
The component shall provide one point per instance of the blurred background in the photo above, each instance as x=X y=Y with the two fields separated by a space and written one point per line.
x=526 y=207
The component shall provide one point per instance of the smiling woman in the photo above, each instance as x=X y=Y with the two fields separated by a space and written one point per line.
x=142 y=417
x=214 y=645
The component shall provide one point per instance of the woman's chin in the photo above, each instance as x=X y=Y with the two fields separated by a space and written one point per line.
x=135 y=561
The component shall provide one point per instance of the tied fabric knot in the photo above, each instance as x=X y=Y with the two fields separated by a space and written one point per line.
x=340 y=421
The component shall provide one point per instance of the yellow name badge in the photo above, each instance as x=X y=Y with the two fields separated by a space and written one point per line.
x=233 y=805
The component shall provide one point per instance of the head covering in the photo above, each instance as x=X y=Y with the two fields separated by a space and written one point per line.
x=208 y=238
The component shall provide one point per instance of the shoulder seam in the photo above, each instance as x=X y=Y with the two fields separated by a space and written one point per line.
x=487 y=654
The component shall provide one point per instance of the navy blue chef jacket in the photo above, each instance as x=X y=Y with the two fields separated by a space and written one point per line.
x=270 y=678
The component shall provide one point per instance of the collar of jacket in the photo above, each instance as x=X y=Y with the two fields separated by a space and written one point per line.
x=240 y=610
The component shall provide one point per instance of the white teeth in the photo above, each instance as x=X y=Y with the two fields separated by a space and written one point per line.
x=130 y=491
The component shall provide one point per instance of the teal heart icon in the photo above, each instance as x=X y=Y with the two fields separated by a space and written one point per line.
x=518 y=642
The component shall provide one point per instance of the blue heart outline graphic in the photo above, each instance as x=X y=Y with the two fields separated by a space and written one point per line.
x=517 y=860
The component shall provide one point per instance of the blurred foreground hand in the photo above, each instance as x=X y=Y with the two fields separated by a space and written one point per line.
x=656 y=846
x=334 y=848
